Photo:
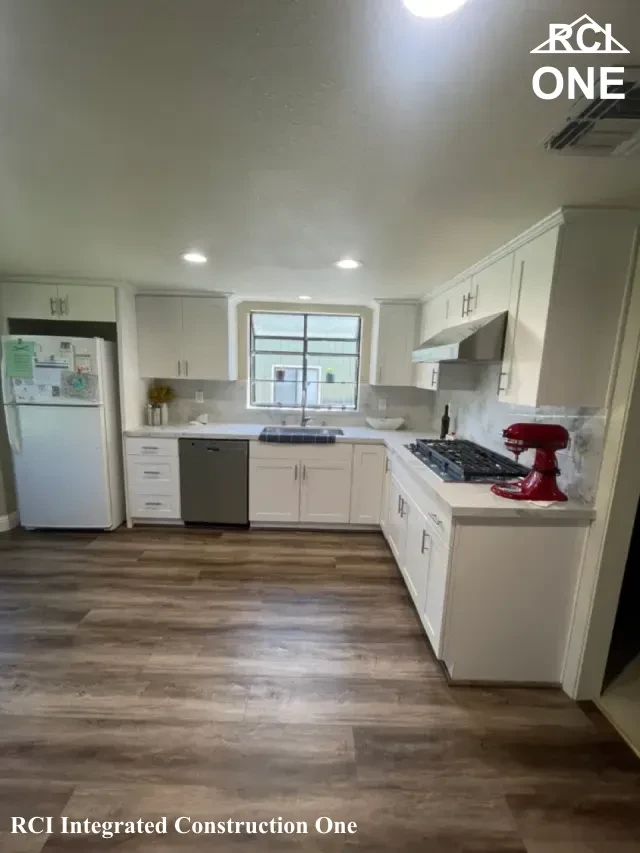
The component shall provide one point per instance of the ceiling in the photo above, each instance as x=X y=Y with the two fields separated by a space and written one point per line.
x=280 y=136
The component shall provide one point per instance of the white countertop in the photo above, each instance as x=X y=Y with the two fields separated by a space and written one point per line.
x=462 y=500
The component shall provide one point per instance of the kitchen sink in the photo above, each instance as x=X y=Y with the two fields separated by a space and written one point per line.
x=300 y=435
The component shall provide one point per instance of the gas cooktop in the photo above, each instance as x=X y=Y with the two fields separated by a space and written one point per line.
x=462 y=461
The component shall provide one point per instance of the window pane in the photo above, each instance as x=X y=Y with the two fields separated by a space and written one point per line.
x=332 y=326
x=268 y=366
x=277 y=345
x=335 y=369
x=340 y=347
x=336 y=396
x=278 y=325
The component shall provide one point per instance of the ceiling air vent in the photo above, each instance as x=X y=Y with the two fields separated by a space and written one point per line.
x=602 y=128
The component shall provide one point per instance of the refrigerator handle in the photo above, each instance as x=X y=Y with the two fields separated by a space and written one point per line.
x=12 y=419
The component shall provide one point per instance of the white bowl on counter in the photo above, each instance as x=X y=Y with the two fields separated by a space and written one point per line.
x=385 y=423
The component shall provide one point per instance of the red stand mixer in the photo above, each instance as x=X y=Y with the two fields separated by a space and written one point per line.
x=541 y=484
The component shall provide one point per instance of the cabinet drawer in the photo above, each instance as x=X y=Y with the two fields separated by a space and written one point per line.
x=154 y=506
x=148 y=476
x=152 y=447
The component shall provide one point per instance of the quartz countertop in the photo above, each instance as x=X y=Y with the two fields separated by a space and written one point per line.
x=462 y=500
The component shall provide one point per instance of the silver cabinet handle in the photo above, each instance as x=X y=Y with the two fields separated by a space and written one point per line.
x=64 y=306
x=380 y=375
x=52 y=303
x=151 y=473
x=186 y=368
x=501 y=389
x=399 y=502
x=386 y=465
x=435 y=519
x=402 y=506
x=433 y=377
x=470 y=299
x=295 y=474
x=424 y=541
x=464 y=305
x=179 y=373
x=152 y=447
x=304 y=472
x=152 y=503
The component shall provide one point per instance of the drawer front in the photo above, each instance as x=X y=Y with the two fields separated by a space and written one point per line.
x=153 y=476
x=152 y=447
x=154 y=506
x=311 y=452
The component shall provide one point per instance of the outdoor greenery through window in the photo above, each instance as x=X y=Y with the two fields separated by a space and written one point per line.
x=310 y=359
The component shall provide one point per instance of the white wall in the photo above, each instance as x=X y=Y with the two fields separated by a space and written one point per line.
x=133 y=390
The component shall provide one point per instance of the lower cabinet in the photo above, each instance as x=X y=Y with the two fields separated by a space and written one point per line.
x=369 y=462
x=274 y=490
x=309 y=484
x=153 y=479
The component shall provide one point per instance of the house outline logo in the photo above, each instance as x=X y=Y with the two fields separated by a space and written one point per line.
x=562 y=33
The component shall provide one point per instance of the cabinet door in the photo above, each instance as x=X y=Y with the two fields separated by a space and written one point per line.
x=384 y=504
x=534 y=267
x=160 y=336
x=274 y=490
x=458 y=303
x=417 y=554
x=367 y=483
x=396 y=520
x=435 y=316
x=491 y=289
x=88 y=303
x=325 y=494
x=205 y=337
x=397 y=329
x=30 y=301
x=432 y=613
x=427 y=375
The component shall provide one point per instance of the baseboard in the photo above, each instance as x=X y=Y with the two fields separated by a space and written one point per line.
x=7 y=522
x=336 y=528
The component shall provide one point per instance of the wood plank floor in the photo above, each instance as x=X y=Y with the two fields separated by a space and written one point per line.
x=254 y=675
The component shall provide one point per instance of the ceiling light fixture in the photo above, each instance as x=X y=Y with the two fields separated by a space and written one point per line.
x=348 y=264
x=433 y=8
x=305 y=298
x=194 y=258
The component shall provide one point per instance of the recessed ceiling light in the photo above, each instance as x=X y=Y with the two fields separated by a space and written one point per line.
x=305 y=298
x=348 y=264
x=433 y=8
x=194 y=258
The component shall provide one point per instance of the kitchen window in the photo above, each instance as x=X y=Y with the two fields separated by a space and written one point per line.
x=304 y=359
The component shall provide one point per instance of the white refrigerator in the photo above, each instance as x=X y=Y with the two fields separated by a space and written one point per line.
x=60 y=399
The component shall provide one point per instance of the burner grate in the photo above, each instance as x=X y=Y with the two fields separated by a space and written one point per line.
x=467 y=461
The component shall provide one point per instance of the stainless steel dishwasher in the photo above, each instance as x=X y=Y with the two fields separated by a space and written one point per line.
x=214 y=475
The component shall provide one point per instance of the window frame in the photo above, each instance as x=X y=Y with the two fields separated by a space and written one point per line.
x=304 y=353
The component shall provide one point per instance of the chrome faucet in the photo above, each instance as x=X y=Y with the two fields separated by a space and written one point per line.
x=304 y=420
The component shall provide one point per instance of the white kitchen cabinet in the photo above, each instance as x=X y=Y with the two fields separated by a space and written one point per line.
x=415 y=566
x=491 y=289
x=205 y=338
x=153 y=479
x=183 y=337
x=274 y=490
x=396 y=526
x=94 y=303
x=534 y=266
x=90 y=303
x=325 y=491
x=159 y=336
x=367 y=483
x=446 y=376
x=386 y=485
x=435 y=317
x=310 y=484
x=393 y=342
x=433 y=601
x=458 y=298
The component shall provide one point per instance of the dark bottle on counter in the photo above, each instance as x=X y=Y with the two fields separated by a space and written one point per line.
x=444 y=423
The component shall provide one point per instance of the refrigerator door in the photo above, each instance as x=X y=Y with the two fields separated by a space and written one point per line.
x=61 y=470
x=56 y=372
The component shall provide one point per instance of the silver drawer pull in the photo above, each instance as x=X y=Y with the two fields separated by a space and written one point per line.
x=424 y=541
x=149 y=447
x=151 y=473
x=435 y=519
x=152 y=503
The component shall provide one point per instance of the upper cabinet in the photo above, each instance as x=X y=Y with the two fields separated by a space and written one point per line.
x=183 y=337
x=393 y=345
x=90 y=303
x=563 y=285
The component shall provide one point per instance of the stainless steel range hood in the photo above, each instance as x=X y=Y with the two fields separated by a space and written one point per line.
x=476 y=341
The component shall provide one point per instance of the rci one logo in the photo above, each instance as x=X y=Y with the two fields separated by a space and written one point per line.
x=582 y=36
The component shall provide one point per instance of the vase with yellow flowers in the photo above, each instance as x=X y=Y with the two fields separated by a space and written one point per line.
x=159 y=397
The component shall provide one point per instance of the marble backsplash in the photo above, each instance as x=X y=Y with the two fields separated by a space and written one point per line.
x=478 y=416
x=227 y=402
